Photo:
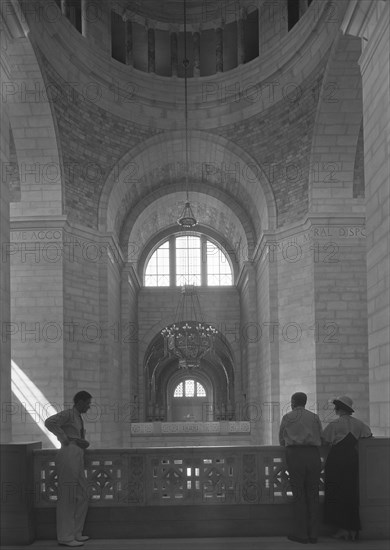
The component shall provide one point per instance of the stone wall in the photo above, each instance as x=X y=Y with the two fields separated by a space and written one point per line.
x=37 y=329
x=88 y=357
x=81 y=318
x=296 y=316
x=5 y=314
x=312 y=311
x=341 y=314
x=270 y=118
x=250 y=341
x=374 y=64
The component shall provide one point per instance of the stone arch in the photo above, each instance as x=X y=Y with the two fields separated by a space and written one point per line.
x=336 y=130
x=32 y=157
x=141 y=257
x=152 y=166
x=214 y=215
x=36 y=146
x=216 y=371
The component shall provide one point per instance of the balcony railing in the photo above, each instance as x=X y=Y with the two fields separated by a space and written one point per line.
x=218 y=491
x=174 y=476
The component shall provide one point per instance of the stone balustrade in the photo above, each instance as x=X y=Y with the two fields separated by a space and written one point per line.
x=172 y=476
x=158 y=428
x=178 y=492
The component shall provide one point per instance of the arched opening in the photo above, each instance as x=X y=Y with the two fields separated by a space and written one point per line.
x=201 y=394
x=190 y=398
x=188 y=259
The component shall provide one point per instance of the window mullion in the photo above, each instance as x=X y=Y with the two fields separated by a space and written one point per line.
x=203 y=260
x=172 y=261
x=188 y=260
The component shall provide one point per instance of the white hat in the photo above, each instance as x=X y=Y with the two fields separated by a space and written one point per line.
x=345 y=401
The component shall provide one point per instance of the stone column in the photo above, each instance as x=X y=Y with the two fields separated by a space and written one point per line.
x=132 y=382
x=38 y=331
x=174 y=55
x=110 y=428
x=129 y=43
x=337 y=256
x=151 y=51
x=249 y=346
x=268 y=343
x=219 y=50
x=196 y=46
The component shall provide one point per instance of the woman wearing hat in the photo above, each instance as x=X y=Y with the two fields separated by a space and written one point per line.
x=341 y=506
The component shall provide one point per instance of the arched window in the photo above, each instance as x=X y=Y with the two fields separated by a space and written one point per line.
x=190 y=402
x=157 y=271
x=188 y=260
x=189 y=388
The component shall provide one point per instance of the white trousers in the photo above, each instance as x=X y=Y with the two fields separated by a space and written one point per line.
x=72 y=503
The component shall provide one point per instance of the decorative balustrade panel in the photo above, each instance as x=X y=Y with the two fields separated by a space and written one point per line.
x=173 y=476
x=208 y=478
x=153 y=428
x=108 y=479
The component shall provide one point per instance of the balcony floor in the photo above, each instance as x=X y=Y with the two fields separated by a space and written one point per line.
x=233 y=543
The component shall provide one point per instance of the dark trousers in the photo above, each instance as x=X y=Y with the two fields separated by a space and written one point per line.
x=341 y=506
x=304 y=468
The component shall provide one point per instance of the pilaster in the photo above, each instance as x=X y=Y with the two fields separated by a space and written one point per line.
x=371 y=22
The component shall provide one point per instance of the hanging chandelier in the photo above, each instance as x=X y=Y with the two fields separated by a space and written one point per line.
x=187 y=219
x=189 y=338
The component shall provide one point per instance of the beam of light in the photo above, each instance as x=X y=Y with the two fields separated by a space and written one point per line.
x=29 y=396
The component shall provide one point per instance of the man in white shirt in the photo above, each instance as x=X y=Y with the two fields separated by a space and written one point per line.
x=300 y=432
x=72 y=503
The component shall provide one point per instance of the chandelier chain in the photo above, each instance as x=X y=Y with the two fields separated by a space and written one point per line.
x=186 y=63
x=187 y=219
